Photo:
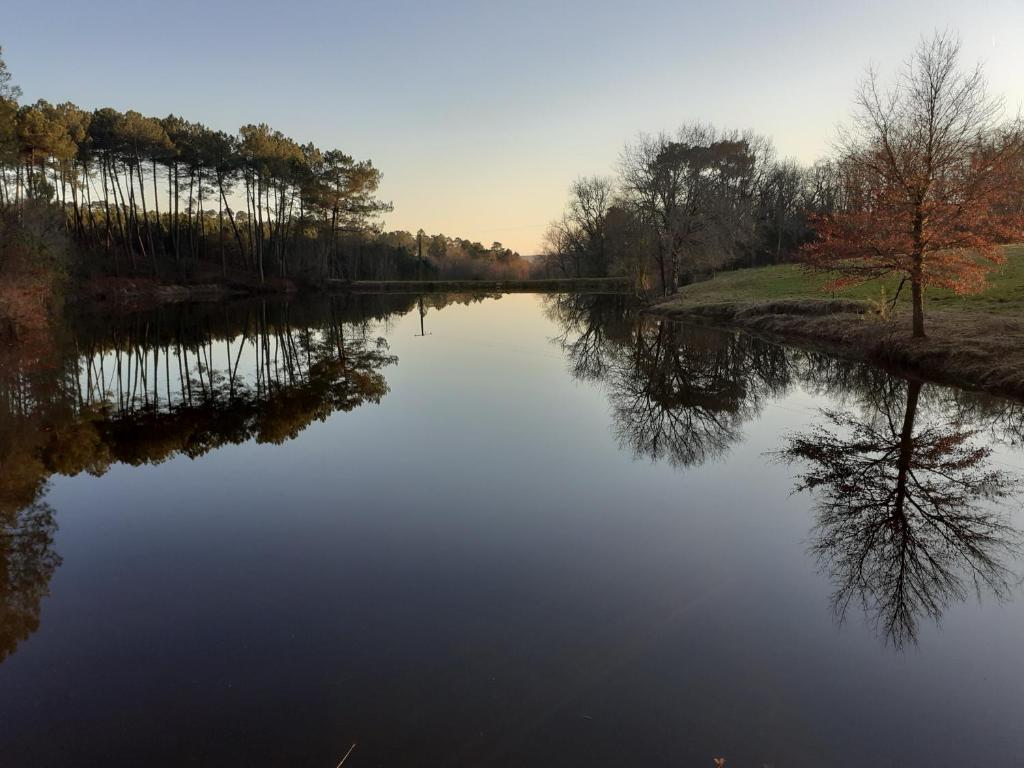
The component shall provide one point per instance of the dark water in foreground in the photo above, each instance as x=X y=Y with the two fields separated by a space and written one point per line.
x=544 y=533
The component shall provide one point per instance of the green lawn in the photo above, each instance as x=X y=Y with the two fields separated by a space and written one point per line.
x=1005 y=292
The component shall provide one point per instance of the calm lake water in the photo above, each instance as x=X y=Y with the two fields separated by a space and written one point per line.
x=505 y=531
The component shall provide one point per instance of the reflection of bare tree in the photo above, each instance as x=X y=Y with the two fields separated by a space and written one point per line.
x=907 y=512
x=678 y=393
x=677 y=401
x=905 y=516
x=593 y=325
x=27 y=562
x=1002 y=419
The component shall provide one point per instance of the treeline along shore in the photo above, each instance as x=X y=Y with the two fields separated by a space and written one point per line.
x=539 y=285
x=899 y=247
x=106 y=203
x=915 y=209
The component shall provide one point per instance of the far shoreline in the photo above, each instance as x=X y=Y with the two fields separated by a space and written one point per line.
x=147 y=292
x=980 y=351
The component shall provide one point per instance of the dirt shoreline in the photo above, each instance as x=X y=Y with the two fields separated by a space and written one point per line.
x=973 y=351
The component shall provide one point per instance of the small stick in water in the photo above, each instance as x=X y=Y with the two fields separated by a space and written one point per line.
x=347 y=754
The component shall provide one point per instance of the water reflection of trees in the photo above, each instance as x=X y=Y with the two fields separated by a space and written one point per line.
x=592 y=329
x=27 y=562
x=907 y=499
x=907 y=513
x=184 y=381
x=683 y=401
x=144 y=387
x=1001 y=419
x=677 y=393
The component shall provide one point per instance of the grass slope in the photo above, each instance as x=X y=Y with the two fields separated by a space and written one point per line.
x=1005 y=293
x=973 y=341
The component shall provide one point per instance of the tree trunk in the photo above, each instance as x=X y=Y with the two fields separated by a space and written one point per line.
x=191 y=199
x=917 y=271
x=156 y=207
x=258 y=205
x=177 y=229
x=917 y=291
x=231 y=218
x=201 y=218
x=906 y=454
x=145 y=216
x=220 y=238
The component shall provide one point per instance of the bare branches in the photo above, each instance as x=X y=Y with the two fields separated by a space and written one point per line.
x=932 y=177
x=907 y=513
x=698 y=192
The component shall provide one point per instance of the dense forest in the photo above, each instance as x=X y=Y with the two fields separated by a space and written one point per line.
x=108 y=194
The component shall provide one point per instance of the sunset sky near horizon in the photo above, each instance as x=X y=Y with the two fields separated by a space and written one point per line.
x=481 y=114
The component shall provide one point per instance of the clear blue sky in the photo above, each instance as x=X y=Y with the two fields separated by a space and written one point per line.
x=481 y=113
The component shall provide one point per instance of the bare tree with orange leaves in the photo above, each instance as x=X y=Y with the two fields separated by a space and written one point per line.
x=930 y=171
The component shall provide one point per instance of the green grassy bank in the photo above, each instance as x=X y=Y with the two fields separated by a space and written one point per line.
x=975 y=341
x=1005 y=293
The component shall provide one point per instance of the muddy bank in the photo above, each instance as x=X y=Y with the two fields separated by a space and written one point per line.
x=974 y=351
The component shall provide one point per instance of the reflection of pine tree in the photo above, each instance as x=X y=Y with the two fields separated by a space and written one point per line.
x=905 y=520
x=147 y=387
x=161 y=395
x=27 y=562
x=592 y=327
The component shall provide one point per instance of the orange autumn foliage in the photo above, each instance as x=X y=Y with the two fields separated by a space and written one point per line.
x=931 y=182
x=964 y=218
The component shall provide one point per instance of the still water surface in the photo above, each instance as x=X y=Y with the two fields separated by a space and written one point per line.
x=502 y=531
